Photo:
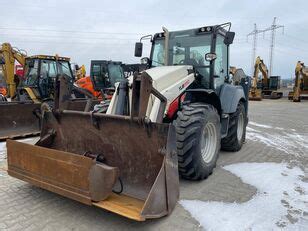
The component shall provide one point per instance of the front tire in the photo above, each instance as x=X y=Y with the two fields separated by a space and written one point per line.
x=237 y=130
x=198 y=140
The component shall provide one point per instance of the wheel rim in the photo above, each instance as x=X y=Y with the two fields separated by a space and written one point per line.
x=208 y=142
x=240 y=126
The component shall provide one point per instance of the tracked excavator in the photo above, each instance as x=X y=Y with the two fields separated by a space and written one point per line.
x=266 y=87
x=169 y=120
x=300 y=89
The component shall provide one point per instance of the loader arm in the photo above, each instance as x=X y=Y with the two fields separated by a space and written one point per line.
x=10 y=55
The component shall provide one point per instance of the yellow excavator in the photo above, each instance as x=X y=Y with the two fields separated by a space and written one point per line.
x=8 y=57
x=267 y=86
x=300 y=89
x=255 y=92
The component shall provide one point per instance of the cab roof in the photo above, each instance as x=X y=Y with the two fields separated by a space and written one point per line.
x=51 y=57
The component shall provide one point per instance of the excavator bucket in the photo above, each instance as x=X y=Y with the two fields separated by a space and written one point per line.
x=123 y=164
x=19 y=119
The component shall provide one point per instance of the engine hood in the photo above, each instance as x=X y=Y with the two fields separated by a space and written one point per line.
x=165 y=76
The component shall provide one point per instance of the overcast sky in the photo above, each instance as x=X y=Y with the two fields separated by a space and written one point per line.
x=85 y=30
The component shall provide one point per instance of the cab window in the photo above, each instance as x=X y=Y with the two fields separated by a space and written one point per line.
x=31 y=72
x=221 y=65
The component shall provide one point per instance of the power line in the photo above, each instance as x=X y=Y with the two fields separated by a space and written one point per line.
x=254 y=33
x=273 y=29
x=69 y=31
x=69 y=37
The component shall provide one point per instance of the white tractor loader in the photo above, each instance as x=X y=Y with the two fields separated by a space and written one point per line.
x=170 y=119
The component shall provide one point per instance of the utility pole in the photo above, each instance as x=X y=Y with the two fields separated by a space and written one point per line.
x=254 y=33
x=273 y=29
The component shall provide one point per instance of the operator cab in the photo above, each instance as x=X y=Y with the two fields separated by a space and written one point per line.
x=205 y=48
x=104 y=74
x=41 y=73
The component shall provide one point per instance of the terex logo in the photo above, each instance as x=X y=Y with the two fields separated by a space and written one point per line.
x=184 y=85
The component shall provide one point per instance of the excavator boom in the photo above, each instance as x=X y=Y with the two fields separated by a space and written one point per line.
x=255 y=92
x=300 y=89
x=9 y=55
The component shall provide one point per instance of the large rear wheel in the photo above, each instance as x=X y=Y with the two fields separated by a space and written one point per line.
x=198 y=140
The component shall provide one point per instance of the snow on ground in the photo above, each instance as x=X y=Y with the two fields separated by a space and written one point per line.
x=31 y=140
x=281 y=201
x=286 y=140
x=2 y=150
x=259 y=125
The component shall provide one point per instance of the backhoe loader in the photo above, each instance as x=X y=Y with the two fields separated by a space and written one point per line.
x=300 y=89
x=170 y=119
x=267 y=86
x=21 y=116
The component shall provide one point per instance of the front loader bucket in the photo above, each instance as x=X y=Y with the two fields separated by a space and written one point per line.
x=19 y=119
x=118 y=163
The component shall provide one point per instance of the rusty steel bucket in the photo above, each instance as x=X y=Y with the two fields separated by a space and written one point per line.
x=19 y=119
x=118 y=163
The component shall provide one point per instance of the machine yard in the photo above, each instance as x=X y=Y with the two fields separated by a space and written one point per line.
x=177 y=115
x=276 y=149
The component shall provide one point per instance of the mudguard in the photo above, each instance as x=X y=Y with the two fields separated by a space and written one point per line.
x=230 y=96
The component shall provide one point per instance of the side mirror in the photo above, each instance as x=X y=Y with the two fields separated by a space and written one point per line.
x=210 y=57
x=138 y=49
x=229 y=38
x=76 y=67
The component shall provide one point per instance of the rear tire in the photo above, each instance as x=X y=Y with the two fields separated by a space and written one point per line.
x=237 y=130
x=198 y=140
